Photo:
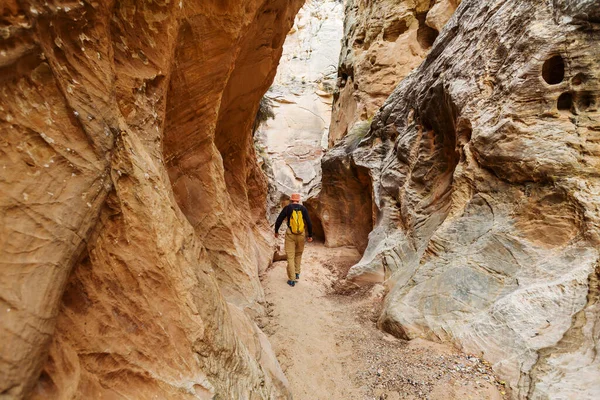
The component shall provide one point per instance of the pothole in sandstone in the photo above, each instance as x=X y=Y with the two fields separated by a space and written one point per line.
x=553 y=70
x=565 y=102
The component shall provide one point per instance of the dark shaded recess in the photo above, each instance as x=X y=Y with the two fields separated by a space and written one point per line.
x=585 y=101
x=579 y=79
x=393 y=328
x=565 y=102
x=396 y=28
x=344 y=72
x=425 y=34
x=359 y=39
x=464 y=131
x=351 y=186
x=45 y=385
x=439 y=114
x=154 y=85
x=438 y=155
x=450 y=33
x=75 y=297
x=553 y=70
x=313 y=207
x=501 y=52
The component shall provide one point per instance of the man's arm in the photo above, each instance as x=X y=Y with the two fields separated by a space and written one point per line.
x=307 y=219
x=280 y=219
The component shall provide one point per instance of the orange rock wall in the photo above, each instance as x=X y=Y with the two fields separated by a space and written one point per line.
x=130 y=228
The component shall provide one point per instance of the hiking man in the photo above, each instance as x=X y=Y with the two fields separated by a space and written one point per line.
x=297 y=216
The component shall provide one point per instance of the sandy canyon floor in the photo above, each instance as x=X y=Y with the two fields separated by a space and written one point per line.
x=323 y=332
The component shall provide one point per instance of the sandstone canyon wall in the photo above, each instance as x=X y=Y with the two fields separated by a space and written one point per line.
x=127 y=161
x=291 y=144
x=482 y=170
x=384 y=40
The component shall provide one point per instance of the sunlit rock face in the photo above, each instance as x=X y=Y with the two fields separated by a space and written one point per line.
x=132 y=223
x=485 y=189
x=384 y=41
x=291 y=144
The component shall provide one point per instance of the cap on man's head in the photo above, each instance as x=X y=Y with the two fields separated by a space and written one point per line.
x=295 y=197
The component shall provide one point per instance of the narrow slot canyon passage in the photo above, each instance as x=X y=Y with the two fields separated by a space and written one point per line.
x=446 y=152
x=323 y=330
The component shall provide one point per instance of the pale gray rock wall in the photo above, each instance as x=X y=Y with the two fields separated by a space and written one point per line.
x=485 y=186
x=291 y=144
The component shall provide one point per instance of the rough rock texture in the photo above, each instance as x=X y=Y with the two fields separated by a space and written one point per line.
x=345 y=204
x=484 y=165
x=292 y=143
x=126 y=159
x=384 y=40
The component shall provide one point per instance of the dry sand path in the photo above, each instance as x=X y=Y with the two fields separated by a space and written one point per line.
x=329 y=348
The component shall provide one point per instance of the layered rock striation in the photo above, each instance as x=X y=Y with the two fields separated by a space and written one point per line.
x=132 y=223
x=383 y=42
x=484 y=166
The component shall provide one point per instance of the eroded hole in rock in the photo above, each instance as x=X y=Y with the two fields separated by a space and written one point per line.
x=394 y=30
x=46 y=386
x=553 y=70
x=578 y=79
x=425 y=34
x=344 y=73
x=359 y=39
x=565 y=102
x=585 y=101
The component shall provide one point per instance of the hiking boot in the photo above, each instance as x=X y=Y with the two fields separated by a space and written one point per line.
x=297 y=276
x=291 y=283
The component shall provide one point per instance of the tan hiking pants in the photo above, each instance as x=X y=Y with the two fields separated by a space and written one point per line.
x=294 y=246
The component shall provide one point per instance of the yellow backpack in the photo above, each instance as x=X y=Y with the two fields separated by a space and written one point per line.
x=297 y=222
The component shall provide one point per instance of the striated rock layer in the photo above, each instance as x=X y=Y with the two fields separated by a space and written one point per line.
x=132 y=207
x=485 y=186
x=384 y=41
